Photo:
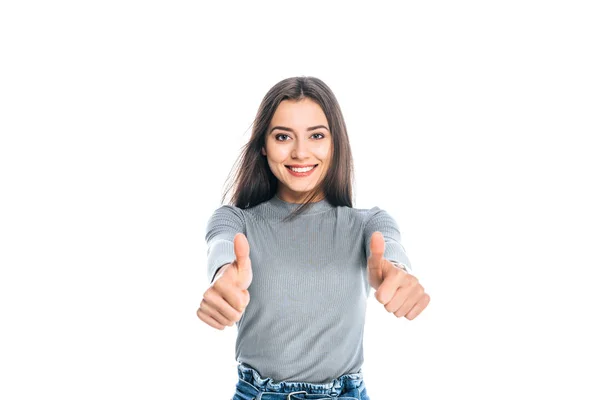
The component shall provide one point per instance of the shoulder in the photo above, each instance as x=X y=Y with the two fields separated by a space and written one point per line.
x=228 y=210
x=365 y=218
x=227 y=213
x=236 y=213
x=368 y=215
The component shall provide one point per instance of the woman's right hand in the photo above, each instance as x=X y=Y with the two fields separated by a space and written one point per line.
x=227 y=297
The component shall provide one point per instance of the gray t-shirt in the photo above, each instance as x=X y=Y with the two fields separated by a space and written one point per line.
x=309 y=287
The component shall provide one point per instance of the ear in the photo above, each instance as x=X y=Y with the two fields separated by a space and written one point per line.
x=263 y=151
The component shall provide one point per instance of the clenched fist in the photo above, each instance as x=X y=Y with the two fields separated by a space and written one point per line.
x=400 y=292
x=226 y=299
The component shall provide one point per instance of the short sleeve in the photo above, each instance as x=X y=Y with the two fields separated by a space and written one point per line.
x=222 y=227
x=379 y=220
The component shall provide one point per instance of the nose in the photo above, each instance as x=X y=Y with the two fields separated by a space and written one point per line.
x=300 y=149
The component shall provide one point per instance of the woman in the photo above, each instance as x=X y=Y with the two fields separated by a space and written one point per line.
x=291 y=262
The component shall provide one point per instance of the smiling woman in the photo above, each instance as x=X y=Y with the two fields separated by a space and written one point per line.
x=291 y=262
x=298 y=124
x=300 y=157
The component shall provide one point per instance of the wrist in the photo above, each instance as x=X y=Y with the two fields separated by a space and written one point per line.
x=400 y=266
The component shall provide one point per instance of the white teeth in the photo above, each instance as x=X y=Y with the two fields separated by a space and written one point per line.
x=306 y=169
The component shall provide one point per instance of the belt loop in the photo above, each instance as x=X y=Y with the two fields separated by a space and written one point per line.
x=290 y=395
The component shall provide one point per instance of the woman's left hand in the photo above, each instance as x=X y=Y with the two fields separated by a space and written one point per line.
x=399 y=292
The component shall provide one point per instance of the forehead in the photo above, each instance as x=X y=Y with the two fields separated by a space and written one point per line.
x=301 y=114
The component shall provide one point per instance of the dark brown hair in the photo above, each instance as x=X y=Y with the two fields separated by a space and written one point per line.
x=254 y=182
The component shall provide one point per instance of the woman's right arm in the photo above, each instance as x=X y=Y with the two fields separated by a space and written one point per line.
x=223 y=225
x=229 y=269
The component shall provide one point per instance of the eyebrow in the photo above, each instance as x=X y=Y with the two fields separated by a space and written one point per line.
x=284 y=128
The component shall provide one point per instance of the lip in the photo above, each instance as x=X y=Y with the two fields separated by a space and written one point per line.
x=301 y=174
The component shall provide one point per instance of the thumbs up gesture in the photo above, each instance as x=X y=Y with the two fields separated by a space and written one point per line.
x=226 y=299
x=400 y=292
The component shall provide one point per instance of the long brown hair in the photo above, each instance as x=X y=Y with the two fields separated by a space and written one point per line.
x=254 y=182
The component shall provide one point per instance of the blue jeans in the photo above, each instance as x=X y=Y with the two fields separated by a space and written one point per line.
x=251 y=386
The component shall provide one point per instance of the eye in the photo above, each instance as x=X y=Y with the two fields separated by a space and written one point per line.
x=322 y=136
x=280 y=135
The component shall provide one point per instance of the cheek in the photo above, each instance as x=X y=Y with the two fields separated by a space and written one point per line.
x=276 y=155
x=324 y=153
x=283 y=153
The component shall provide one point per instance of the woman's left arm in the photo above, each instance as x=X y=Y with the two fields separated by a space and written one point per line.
x=389 y=269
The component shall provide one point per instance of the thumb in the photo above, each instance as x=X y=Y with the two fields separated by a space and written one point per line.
x=241 y=249
x=375 y=262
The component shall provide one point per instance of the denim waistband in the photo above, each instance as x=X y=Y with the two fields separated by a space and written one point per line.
x=268 y=389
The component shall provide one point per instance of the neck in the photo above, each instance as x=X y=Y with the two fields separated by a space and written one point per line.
x=283 y=208
x=287 y=199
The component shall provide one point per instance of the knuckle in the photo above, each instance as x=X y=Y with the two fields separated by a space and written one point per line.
x=212 y=297
x=425 y=300
x=207 y=309
x=245 y=299
x=202 y=318
x=212 y=323
x=222 y=320
x=208 y=294
x=215 y=313
x=240 y=305
x=206 y=320
x=219 y=285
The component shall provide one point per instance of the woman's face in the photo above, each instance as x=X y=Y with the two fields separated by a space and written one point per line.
x=298 y=148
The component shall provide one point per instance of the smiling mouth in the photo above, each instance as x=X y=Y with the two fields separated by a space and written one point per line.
x=303 y=169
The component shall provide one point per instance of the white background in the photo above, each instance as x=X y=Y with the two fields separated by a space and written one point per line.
x=473 y=123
